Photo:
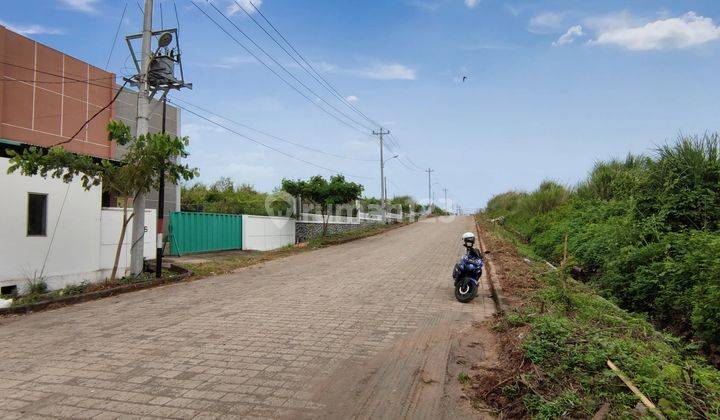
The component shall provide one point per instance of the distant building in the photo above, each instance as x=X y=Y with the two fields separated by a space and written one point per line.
x=45 y=97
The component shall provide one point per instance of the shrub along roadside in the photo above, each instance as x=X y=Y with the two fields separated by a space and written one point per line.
x=563 y=334
x=227 y=262
x=645 y=231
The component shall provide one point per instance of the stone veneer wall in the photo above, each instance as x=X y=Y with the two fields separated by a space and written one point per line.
x=304 y=231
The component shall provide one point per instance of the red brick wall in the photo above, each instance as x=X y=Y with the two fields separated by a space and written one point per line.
x=42 y=109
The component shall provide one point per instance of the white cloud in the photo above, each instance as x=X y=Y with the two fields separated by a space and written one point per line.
x=569 y=36
x=351 y=98
x=472 y=3
x=548 y=22
x=392 y=71
x=31 y=29
x=246 y=5
x=87 y=6
x=612 y=21
x=688 y=30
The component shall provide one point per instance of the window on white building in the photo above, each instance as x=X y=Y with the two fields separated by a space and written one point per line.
x=37 y=215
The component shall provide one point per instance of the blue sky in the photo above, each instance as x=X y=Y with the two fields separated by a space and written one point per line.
x=552 y=87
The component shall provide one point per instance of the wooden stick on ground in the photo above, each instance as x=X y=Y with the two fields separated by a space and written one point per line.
x=645 y=400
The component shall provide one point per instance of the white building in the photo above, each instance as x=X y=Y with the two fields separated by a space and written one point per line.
x=58 y=231
x=51 y=229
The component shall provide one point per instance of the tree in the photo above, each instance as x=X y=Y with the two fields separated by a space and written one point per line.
x=137 y=172
x=223 y=196
x=324 y=194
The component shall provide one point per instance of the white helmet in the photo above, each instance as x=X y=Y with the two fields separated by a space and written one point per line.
x=468 y=239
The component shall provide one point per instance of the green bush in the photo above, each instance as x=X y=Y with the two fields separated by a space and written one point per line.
x=224 y=196
x=569 y=350
x=646 y=232
x=36 y=286
x=75 y=289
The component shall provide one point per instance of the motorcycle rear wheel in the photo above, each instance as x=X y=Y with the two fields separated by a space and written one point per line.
x=465 y=290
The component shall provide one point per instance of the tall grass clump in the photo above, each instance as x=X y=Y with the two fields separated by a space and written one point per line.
x=644 y=230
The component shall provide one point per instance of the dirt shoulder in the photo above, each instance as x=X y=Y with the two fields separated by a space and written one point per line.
x=556 y=338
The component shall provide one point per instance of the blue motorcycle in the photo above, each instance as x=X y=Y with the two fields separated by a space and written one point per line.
x=467 y=272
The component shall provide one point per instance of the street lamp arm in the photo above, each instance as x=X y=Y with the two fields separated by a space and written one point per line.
x=389 y=159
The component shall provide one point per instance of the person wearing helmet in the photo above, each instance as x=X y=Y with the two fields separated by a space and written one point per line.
x=468 y=239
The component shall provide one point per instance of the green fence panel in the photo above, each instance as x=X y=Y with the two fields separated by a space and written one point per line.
x=204 y=232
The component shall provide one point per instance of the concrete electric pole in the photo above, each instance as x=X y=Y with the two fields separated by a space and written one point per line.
x=447 y=209
x=429 y=172
x=385 y=185
x=142 y=127
x=382 y=171
x=155 y=73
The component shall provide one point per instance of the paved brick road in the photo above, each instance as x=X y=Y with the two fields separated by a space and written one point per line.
x=266 y=341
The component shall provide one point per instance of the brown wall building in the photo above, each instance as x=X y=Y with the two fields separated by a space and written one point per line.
x=46 y=96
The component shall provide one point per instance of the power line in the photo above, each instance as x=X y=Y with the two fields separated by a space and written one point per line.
x=314 y=73
x=268 y=146
x=415 y=167
x=272 y=135
x=249 y=38
x=117 y=94
x=394 y=140
x=51 y=82
x=88 y=81
x=119 y=91
x=115 y=37
x=58 y=75
x=266 y=65
x=413 y=163
x=405 y=165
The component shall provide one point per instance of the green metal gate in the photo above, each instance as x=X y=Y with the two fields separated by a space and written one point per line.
x=204 y=232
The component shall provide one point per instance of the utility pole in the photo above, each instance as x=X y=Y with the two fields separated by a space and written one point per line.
x=155 y=73
x=161 y=204
x=142 y=128
x=382 y=170
x=385 y=185
x=429 y=172
x=447 y=209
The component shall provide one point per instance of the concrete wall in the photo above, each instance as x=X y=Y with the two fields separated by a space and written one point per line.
x=83 y=240
x=263 y=233
x=110 y=226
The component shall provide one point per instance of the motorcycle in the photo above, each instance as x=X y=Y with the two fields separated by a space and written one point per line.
x=466 y=275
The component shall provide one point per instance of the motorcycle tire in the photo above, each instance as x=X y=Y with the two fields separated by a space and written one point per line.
x=465 y=290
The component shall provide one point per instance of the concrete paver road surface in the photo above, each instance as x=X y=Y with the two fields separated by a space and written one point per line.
x=356 y=330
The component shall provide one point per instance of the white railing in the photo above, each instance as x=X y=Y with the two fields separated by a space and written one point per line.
x=377 y=217
x=318 y=218
x=373 y=217
x=370 y=216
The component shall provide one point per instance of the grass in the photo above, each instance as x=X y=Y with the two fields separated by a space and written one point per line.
x=223 y=264
x=573 y=332
x=645 y=231
x=463 y=378
x=35 y=295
